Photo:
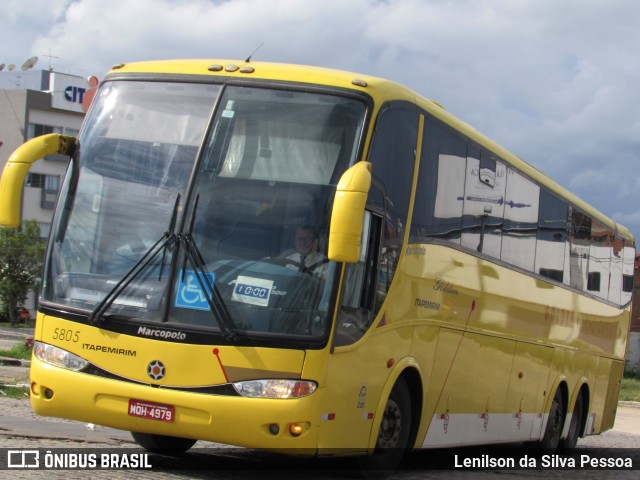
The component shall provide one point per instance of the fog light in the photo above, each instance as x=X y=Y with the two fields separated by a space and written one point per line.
x=295 y=429
x=274 y=429
x=48 y=393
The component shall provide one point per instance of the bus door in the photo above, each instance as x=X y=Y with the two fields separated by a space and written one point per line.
x=357 y=369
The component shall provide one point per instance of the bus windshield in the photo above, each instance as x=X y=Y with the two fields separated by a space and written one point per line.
x=190 y=202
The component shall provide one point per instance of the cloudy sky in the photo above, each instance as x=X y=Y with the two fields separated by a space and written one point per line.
x=555 y=81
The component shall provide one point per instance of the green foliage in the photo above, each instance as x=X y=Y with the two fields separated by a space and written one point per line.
x=20 y=393
x=21 y=255
x=630 y=389
x=18 y=351
x=632 y=373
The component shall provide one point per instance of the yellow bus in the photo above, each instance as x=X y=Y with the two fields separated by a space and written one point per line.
x=315 y=261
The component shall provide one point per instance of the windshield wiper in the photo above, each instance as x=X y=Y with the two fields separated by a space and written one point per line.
x=172 y=226
x=167 y=240
x=192 y=255
x=210 y=289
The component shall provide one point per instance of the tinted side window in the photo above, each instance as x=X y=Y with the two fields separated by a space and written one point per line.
x=600 y=252
x=616 y=279
x=551 y=250
x=483 y=209
x=466 y=197
x=520 y=221
x=579 y=256
x=437 y=211
x=392 y=156
x=628 y=255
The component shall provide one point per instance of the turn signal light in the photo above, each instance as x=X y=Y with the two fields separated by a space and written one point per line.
x=295 y=429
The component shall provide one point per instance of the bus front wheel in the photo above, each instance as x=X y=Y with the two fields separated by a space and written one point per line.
x=163 y=443
x=395 y=427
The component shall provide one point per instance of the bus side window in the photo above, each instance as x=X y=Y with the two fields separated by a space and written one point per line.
x=580 y=229
x=521 y=213
x=600 y=253
x=628 y=266
x=437 y=210
x=551 y=254
x=392 y=156
x=483 y=208
x=364 y=286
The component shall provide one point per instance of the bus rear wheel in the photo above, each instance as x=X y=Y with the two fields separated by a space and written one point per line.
x=552 y=433
x=163 y=443
x=569 y=443
x=393 y=437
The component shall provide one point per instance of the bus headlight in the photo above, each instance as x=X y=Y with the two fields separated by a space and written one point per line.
x=275 y=388
x=58 y=357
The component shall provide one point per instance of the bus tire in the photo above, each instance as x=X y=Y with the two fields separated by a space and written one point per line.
x=551 y=438
x=393 y=437
x=569 y=443
x=163 y=443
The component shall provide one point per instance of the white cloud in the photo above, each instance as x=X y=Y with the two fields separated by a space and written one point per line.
x=556 y=82
x=20 y=23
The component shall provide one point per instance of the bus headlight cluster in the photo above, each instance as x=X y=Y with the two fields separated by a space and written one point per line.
x=275 y=388
x=58 y=357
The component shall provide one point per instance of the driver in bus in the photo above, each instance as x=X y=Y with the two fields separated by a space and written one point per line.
x=306 y=257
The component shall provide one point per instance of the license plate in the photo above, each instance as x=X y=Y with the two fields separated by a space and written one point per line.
x=151 y=410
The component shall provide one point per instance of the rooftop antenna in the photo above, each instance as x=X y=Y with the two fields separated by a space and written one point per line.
x=253 y=53
x=29 y=63
x=50 y=57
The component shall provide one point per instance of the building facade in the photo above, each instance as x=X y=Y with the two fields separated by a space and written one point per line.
x=33 y=103
x=633 y=350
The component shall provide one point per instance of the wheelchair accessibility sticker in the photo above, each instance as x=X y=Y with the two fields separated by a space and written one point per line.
x=189 y=293
x=254 y=291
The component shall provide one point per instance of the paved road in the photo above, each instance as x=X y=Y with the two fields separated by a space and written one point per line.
x=20 y=428
x=10 y=336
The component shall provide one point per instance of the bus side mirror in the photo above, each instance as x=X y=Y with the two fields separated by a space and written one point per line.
x=348 y=213
x=17 y=167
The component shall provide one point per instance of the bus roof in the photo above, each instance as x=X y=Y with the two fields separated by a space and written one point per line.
x=379 y=89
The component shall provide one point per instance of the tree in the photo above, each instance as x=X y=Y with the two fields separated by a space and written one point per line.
x=21 y=255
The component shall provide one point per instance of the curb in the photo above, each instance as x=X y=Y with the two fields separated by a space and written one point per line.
x=14 y=362
x=18 y=336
